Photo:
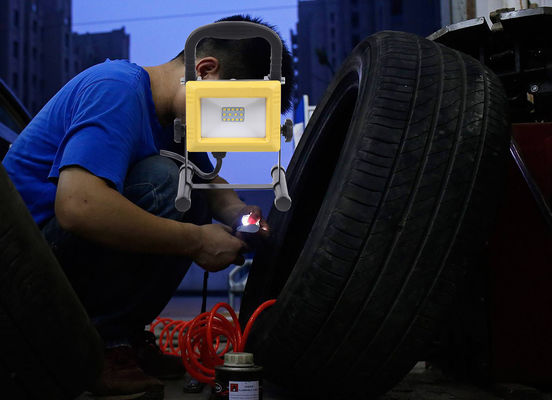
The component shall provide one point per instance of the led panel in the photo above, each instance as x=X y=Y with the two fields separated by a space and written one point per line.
x=232 y=114
x=233 y=121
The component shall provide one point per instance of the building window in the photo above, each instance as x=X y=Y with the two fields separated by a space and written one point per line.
x=354 y=40
x=16 y=18
x=34 y=81
x=66 y=64
x=33 y=7
x=15 y=49
x=34 y=53
x=354 y=2
x=396 y=7
x=354 y=19
x=332 y=32
x=35 y=26
x=67 y=40
x=15 y=81
x=332 y=17
x=333 y=47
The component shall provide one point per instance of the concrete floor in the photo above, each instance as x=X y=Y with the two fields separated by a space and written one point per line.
x=420 y=384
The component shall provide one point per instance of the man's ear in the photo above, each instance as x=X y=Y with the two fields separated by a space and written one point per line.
x=208 y=68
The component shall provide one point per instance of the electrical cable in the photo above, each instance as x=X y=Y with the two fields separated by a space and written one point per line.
x=203 y=175
x=204 y=292
x=203 y=341
x=188 y=15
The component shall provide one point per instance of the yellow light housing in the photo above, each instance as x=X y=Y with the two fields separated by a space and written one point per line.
x=231 y=115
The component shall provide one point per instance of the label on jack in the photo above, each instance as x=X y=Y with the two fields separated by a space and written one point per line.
x=243 y=390
x=238 y=378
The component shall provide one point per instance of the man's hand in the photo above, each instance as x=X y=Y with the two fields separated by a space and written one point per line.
x=253 y=240
x=219 y=248
x=229 y=209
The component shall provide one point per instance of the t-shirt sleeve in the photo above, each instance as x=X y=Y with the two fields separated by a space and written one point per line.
x=102 y=131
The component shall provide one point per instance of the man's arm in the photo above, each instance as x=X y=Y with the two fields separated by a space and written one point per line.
x=86 y=206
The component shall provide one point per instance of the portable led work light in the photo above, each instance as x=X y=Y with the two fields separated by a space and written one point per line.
x=231 y=115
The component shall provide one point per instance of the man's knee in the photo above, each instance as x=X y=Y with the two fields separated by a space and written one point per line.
x=152 y=184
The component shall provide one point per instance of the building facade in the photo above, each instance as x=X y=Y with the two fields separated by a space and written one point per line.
x=327 y=31
x=39 y=53
x=35 y=48
x=93 y=48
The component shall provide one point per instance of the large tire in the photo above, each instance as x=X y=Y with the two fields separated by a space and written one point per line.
x=49 y=349
x=394 y=185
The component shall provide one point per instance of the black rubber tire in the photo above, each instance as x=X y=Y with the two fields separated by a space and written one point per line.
x=394 y=185
x=49 y=349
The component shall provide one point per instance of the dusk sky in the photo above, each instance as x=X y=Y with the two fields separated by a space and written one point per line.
x=158 y=31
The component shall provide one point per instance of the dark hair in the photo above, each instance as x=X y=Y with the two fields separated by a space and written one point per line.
x=247 y=58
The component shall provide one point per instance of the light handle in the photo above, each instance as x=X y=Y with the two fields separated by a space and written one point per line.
x=234 y=30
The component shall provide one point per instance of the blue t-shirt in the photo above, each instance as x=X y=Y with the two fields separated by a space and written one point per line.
x=102 y=120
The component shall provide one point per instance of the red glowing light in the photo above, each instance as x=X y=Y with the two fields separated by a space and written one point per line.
x=249 y=219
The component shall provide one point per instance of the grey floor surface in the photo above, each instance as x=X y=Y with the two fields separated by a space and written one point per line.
x=420 y=384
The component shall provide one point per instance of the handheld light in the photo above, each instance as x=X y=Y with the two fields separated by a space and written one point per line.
x=249 y=224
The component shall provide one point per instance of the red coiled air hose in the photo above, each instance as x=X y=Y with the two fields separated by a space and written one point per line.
x=199 y=340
